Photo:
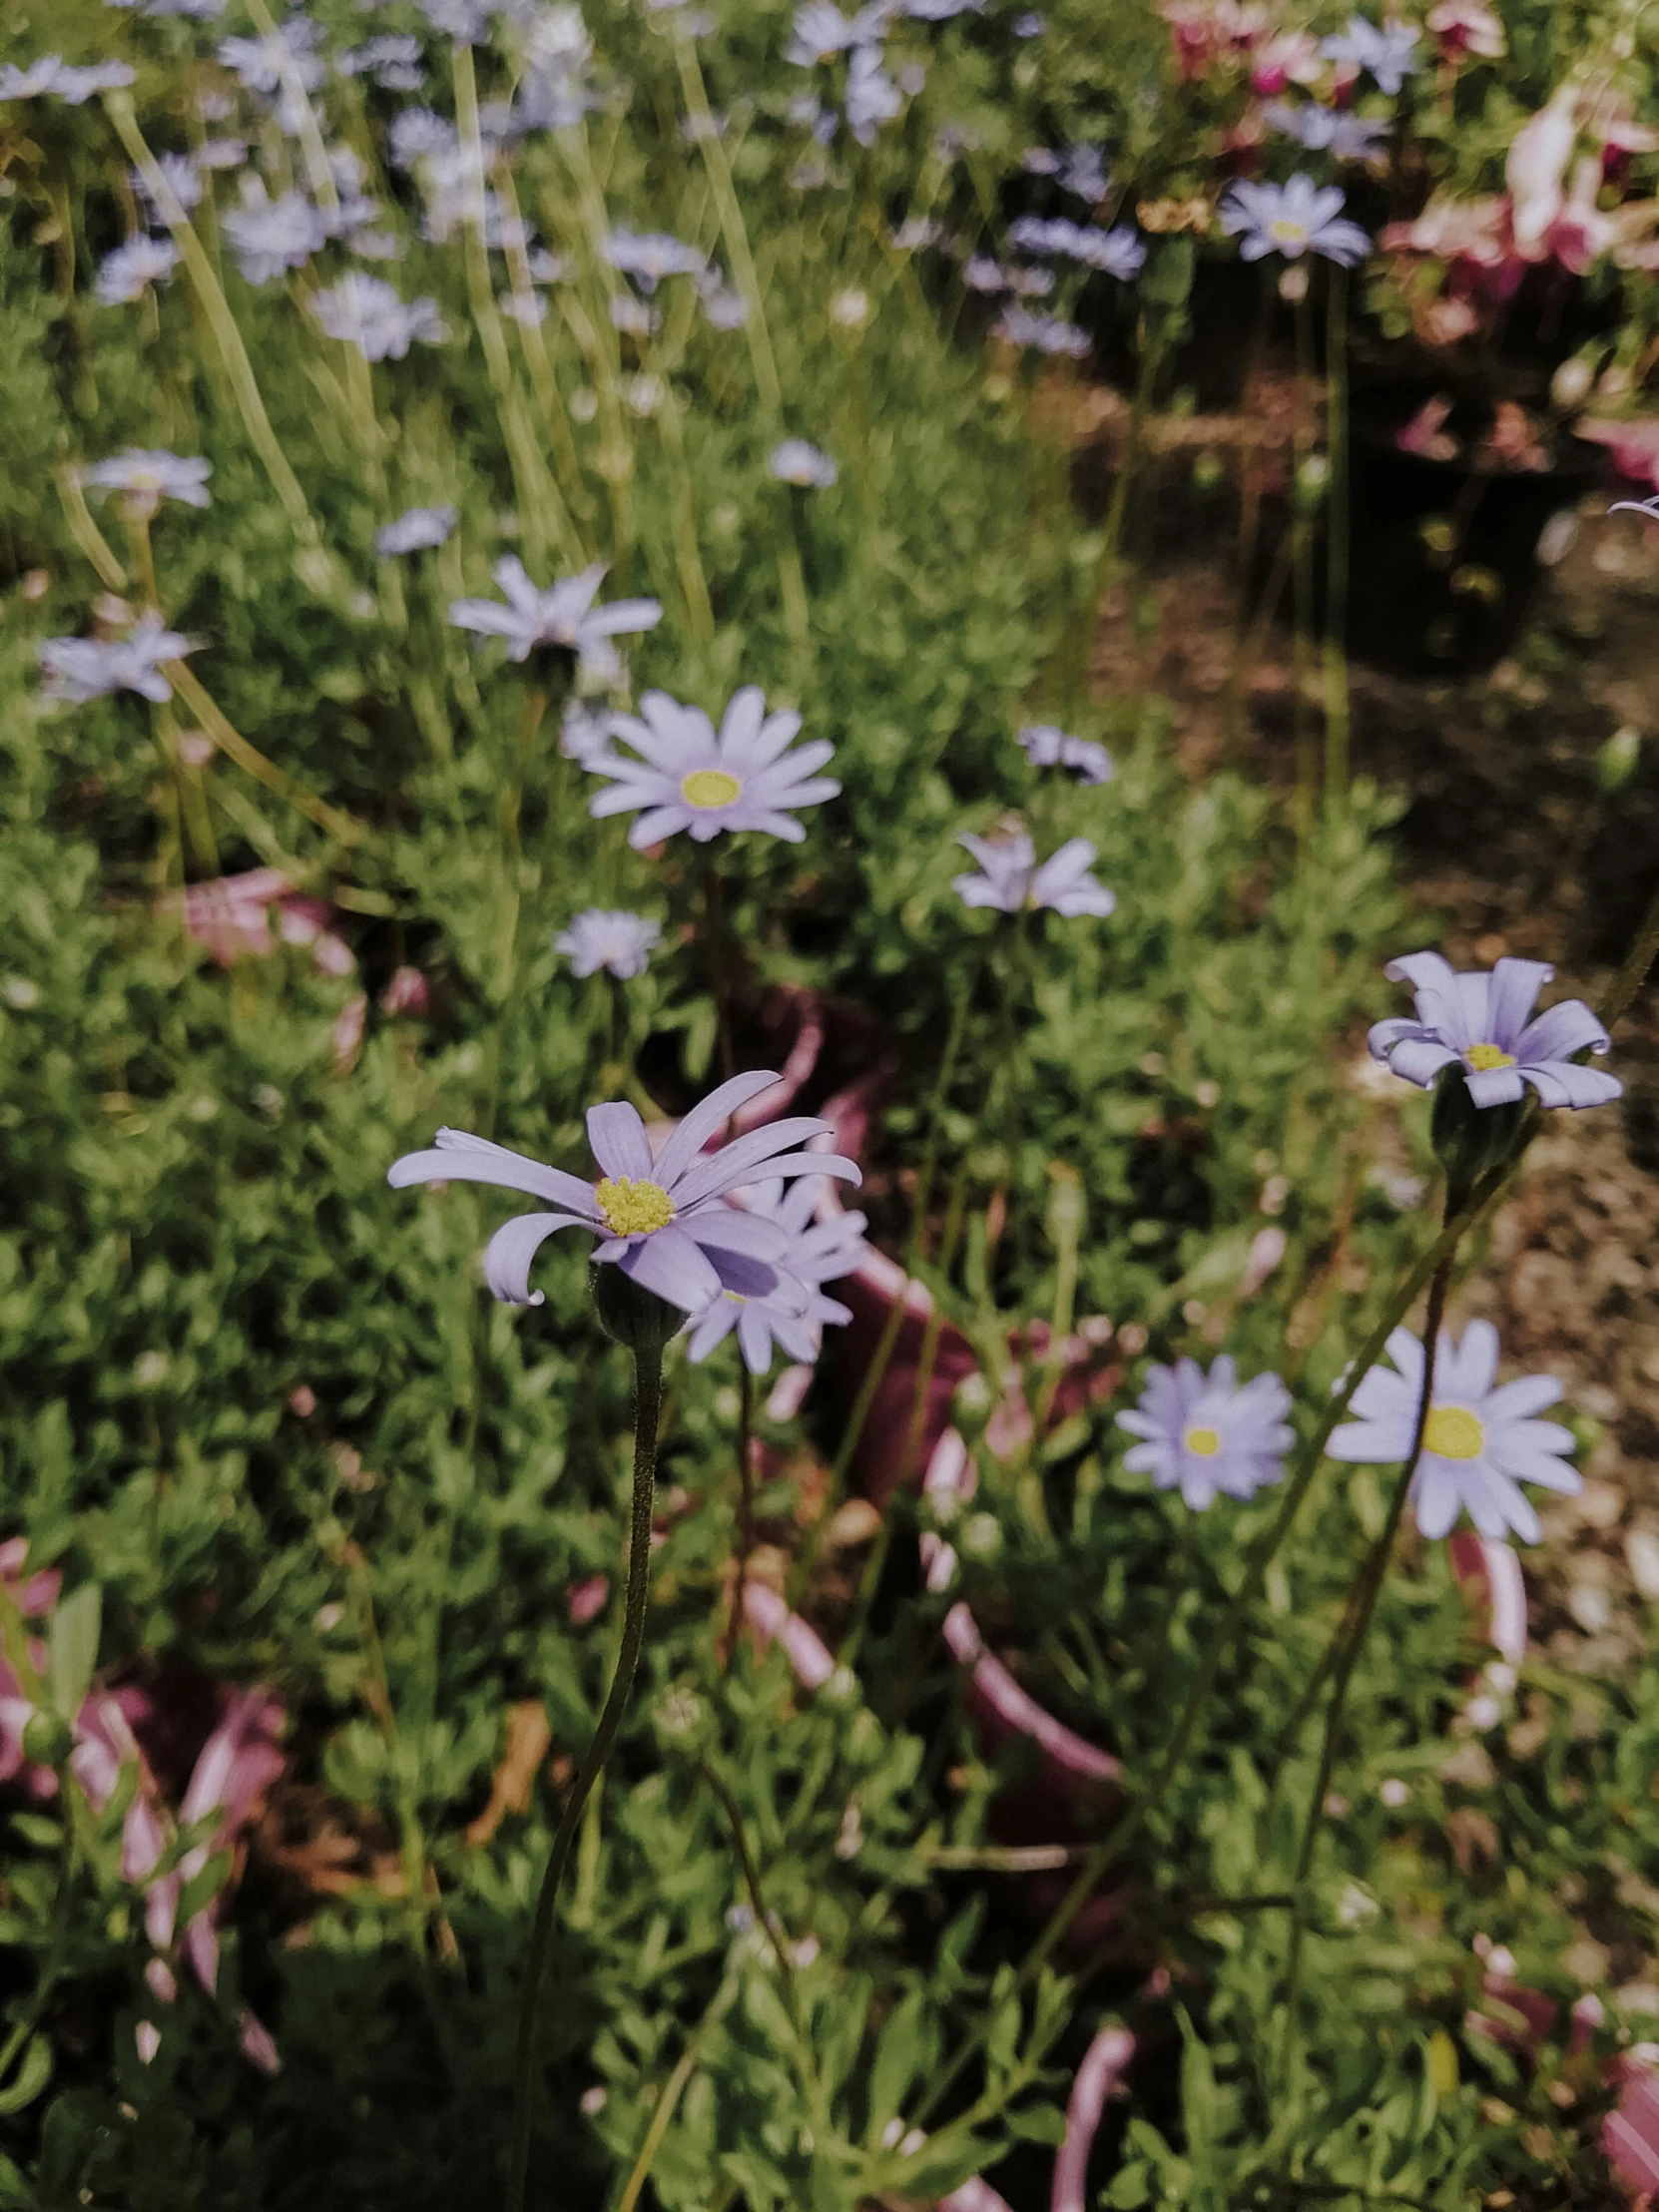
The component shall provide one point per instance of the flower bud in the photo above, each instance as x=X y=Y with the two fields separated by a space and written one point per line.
x=45 y=1740
x=630 y=1314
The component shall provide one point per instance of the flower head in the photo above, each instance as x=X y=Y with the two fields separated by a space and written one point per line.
x=794 y=1310
x=1209 y=1434
x=1388 y=53
x=872 y=96
x=1012 y=880
x=1047 y=333
x=796 y=461
x=270 y=65
x=1045 y=746
x=563 y=617
x=620 y=944
x=1346 y=138
x=79 y=669
x=270 y=237
x=1480 y=1443
x=368 y=313
x=658 y=1220
x=417 y=530
x=181 y=178
x=1468 y=27
x=62 y=80
x=128 y=272
x=1486 y=1021
x=1118 y=253
x=1292 y=219
x=688 y=778
x=148 y=478
x=650 y=255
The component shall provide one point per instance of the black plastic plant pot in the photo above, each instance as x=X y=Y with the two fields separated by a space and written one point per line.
x=1443 y=562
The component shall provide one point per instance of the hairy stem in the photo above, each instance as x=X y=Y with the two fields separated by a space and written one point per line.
x=647 y=1399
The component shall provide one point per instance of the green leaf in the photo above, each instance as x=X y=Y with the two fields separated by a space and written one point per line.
x=72 y=1648
x=897 y=2055
x=31 y=2076
x=1037 y=2123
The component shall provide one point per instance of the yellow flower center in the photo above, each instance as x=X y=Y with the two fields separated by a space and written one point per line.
x=1453 y=1432
x=1284 y=231
x=1484 y=1057
x=634 y=1207
x=710 y=787
x=1202 y=1442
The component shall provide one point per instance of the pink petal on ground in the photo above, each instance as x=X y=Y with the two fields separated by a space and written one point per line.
x=1100 y=2073
x=585 y=1602
x=805 y=1649
x=973 y=2196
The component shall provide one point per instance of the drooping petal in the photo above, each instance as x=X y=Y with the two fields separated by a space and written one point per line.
x=458 y=1157
x=669 y=1262
x=660 y=822
x=712 y=1327
x=620 y=1145
x=725 y=1229
x=1514 y=992
x=705 y=1117
x=1419 y=1061
x=1495 y=1086
x=742 y=1160
x=1562 y=1083
x=1559 y=1032
x=1432 y=979
x=509 y=1251
x=754 y=1339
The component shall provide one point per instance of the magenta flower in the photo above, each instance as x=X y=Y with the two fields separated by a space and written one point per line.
x=1486 y=1021
x=690 y=779
x=661 y=1221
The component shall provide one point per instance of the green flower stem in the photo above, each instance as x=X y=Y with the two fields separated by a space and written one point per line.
x=119 y=107
x=1638 y=961
x=746 y=1498
x=647 y=1399
x=1257 y=1562
x=673 y=2089
x=249 y=757
x=1367 y=1589
x=1302 y=579
x=1106 y=566
x=1336 y=526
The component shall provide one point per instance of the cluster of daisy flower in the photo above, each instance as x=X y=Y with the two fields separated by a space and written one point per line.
x=1210 y=1435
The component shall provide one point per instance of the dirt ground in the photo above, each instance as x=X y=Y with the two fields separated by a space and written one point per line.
x=1511 y=843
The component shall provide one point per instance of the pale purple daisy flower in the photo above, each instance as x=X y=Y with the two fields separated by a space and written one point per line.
x=726 y=308
x=1209 y=1435
x=181 y=177
x=1292 y=219
x=1030 y=26
x=79 y=669
x=62 y=80
x=270 y=65
x=690 y=779
x=1012 y=880
x=1388 y=53
x=564 y=616
x=658 y=1219
x=1046 y=746
x=368 y=313
x=634 y=319
x=872 y=96
x=1117 y=253
x=620 y=944
x=220 y=153
x=392 y=59
x=797 y=461
x=270 y=237
x=1480 y=1443
x=794 y=1312
x=820 y=33
x=1348 y=138
x=982 y=274
x=417 y=134
x=1047 y=333
x=417 y=530
x=650 y=255
x=585 y=732
x=128 y=272
x=1486 y=1022
x=527 y=309
x=150 y=477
